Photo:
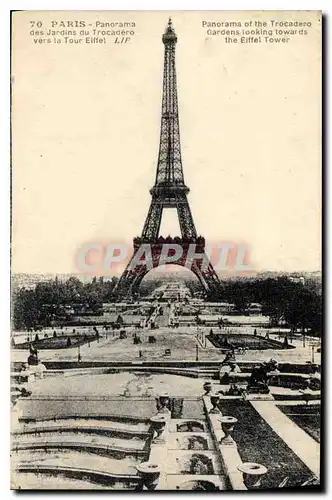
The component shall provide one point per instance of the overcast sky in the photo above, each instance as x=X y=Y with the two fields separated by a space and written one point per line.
x=86 y=124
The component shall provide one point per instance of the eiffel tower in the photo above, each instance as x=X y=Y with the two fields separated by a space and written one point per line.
x=169 y=191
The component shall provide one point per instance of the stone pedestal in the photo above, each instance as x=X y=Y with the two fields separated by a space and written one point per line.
x=158 y=427
x=207 y=387
x=149 y=473
x=214 y=400
x=252 y=474
x=227 y=425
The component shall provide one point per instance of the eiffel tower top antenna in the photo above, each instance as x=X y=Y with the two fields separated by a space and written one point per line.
x=169 y=36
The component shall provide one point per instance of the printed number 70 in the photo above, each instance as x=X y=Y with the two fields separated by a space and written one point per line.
x=39 y=24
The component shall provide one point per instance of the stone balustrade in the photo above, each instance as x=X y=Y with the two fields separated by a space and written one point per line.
x=228 y=452
x=153 y=472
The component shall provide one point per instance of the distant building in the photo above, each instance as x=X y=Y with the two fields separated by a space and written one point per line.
x=255 y=308
x=209 y=320
x=226 y=307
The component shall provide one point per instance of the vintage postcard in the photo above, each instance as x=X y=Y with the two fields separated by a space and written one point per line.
x=166 y=250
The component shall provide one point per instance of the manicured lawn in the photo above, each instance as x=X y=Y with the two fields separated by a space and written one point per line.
x=59 y=342
x=306 y=417
x=245 y=340
x=106 y=319
x=257 y=442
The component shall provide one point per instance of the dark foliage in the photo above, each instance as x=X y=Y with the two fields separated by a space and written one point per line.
x=55 y=301
x=296 y=304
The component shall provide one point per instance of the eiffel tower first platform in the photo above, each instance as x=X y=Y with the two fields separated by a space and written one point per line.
x=169 y=191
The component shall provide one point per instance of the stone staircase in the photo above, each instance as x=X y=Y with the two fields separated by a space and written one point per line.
x=91 y=451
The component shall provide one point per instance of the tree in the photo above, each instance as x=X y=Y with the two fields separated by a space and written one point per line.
x=305 y=311
x=26 y=313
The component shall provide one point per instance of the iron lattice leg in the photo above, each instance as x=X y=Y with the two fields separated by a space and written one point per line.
x=129 y=282
x=207 y=277
x=153 y=220
x=187 y=226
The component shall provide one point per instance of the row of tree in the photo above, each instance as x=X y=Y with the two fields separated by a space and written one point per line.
x=297 y=304
x=56 y=300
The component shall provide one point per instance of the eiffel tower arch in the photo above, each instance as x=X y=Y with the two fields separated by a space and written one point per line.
x=169 y=191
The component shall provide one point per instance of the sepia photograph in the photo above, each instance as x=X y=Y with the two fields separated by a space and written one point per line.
x=166 y=250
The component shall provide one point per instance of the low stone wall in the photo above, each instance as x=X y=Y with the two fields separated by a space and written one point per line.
x=291 y=380
x=229 y=455
x=244 y=365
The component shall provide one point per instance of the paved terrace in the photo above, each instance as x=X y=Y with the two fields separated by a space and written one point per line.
x=181 y=341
